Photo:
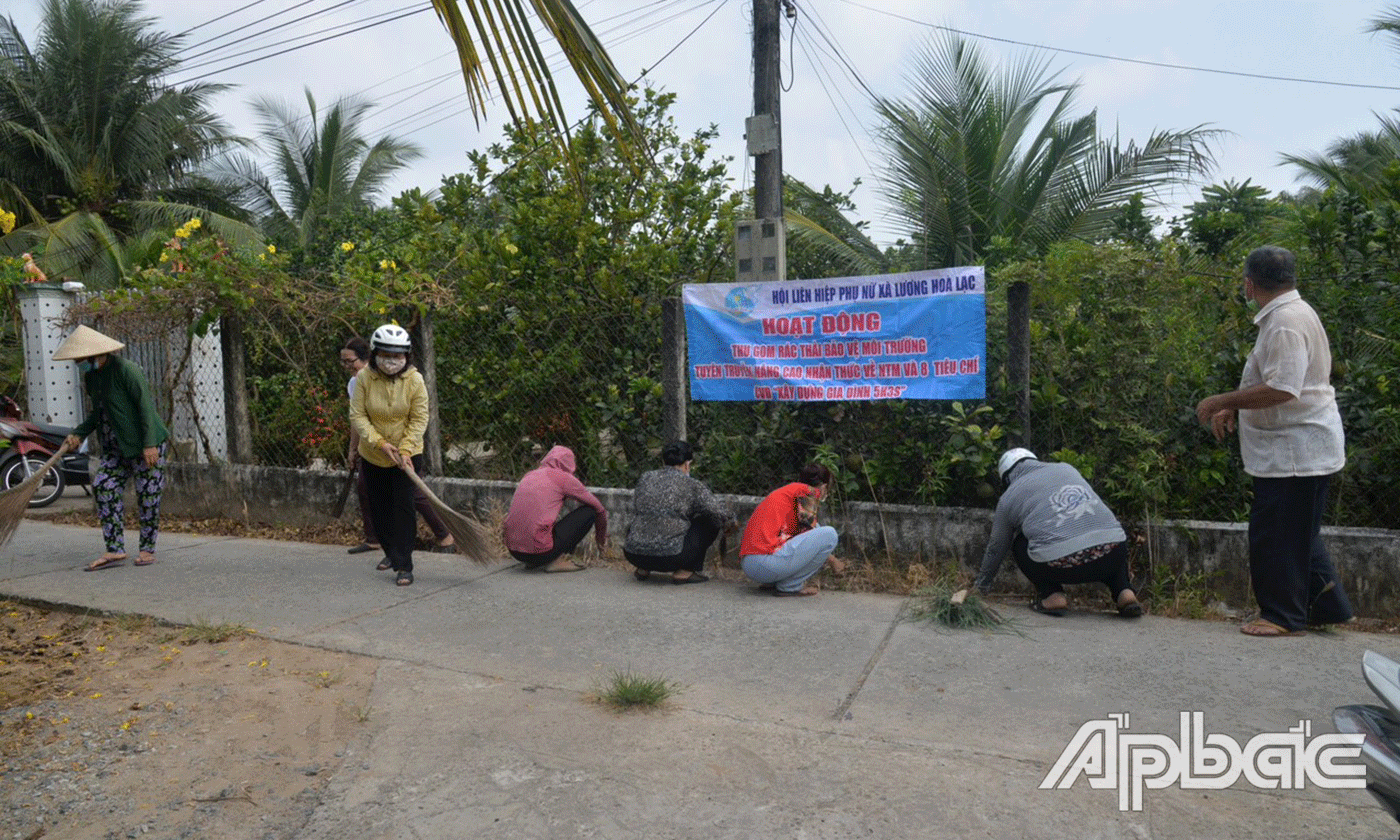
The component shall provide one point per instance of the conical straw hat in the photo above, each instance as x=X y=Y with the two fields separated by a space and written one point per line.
x=84 y=342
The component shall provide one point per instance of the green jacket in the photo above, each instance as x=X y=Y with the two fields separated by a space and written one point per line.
x=121 y=398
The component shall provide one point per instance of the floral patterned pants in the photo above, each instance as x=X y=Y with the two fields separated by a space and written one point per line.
x=108 y=486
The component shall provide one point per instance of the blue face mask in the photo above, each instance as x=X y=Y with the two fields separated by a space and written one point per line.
x=87 y=365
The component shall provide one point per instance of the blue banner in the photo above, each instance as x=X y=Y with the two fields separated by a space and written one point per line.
x=915 y=336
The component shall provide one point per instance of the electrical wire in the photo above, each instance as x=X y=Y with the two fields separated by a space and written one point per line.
x=828 y=85
x=219 y=18
x=824 y=30
x=236 y=29
x=296 y=38
x=417 y=11
x=1086 y=54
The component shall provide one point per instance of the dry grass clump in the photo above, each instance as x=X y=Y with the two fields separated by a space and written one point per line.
x=203 y=630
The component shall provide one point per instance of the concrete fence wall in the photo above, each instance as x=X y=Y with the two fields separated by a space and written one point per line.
x=1214 y=552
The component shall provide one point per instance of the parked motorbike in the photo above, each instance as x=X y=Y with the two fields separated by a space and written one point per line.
x=26 y=446
x=1380 y=752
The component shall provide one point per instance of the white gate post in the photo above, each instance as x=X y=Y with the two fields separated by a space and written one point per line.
x=55 y=389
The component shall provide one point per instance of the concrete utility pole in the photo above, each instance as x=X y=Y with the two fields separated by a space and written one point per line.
x=767 y=88
x=760 y=244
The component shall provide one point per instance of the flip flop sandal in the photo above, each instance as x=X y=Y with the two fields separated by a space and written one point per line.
x=362 y=548
x=796 y=593
x=695 y=577
x=575 y=568
x=403 y=579
x=1133 y=610
x=444 y=549
x=641 y=574
x=384 y=565
x=99 y=564
x=1264 y=628
x=1039 y=606
x=141 y=561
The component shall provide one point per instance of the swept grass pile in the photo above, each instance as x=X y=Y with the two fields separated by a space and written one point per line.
x=934 y=604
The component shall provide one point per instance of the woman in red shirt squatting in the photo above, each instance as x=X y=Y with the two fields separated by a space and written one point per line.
x=783 y=545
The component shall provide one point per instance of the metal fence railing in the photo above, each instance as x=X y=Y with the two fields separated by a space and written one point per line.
x=507 y=389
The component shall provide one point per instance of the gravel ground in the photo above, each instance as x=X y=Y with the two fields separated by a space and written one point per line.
x=115 y=727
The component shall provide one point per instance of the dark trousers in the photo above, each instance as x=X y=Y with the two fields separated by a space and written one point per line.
x=390 y=492
x=1111 y=570
x=698 y=539
x=420 y=503
x=1288 y=565
x=569 y=531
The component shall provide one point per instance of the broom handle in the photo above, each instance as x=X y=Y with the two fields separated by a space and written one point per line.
x=339 y=509
x=421 y=485
x=53 y=459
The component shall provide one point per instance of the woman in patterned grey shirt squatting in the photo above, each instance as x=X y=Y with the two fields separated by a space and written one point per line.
x=1058 y=531
x=675 y=520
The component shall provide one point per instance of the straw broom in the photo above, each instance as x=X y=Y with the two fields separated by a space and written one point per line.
x=15 y=501
x=468 y=535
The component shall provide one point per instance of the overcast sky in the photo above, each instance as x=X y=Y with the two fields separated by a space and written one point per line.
x=700 y=50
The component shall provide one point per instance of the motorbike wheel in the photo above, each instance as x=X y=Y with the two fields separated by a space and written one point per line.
x=50 y=488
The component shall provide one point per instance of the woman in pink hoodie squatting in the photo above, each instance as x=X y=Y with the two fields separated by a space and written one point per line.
x=534 y=533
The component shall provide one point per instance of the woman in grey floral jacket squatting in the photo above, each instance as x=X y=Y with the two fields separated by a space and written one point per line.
x=675 y=520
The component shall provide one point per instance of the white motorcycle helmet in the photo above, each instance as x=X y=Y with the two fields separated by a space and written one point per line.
x=390 y=338
x=1011 y=458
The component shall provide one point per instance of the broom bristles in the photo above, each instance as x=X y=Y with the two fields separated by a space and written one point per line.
x=15 y=501
x=468 y=535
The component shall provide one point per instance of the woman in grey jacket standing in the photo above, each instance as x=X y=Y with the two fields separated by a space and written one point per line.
x=1058 y=531
x=675 y=520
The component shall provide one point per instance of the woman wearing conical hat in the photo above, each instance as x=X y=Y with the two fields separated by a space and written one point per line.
x=131 y=436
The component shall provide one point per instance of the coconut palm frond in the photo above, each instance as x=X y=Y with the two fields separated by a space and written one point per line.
x=497 y=33
x=978 y=151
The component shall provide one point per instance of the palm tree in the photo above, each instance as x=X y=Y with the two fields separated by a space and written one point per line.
x=822 y=239
x=500 y=35
x=95 y=148
x=1358 y=163
x=322 y=165
x=974 y=155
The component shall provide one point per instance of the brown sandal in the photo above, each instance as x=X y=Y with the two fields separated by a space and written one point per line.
x=104 y=563
x=1264 y=627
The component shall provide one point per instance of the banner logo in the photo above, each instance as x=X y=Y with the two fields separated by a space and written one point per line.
x=1111 y=758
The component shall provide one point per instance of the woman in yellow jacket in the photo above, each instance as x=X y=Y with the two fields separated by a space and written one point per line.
x=389 y=412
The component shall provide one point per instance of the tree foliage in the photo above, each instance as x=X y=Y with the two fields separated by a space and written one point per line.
x=96 y=150
x=559 y=340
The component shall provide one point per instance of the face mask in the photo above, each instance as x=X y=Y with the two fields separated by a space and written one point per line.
x=1249 y=302
x=391 y=366
x=87 y=365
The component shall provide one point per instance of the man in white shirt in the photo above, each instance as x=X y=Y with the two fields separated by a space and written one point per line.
x=1292 y=443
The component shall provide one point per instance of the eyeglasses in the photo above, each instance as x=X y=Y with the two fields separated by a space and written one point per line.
x=350 y=361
